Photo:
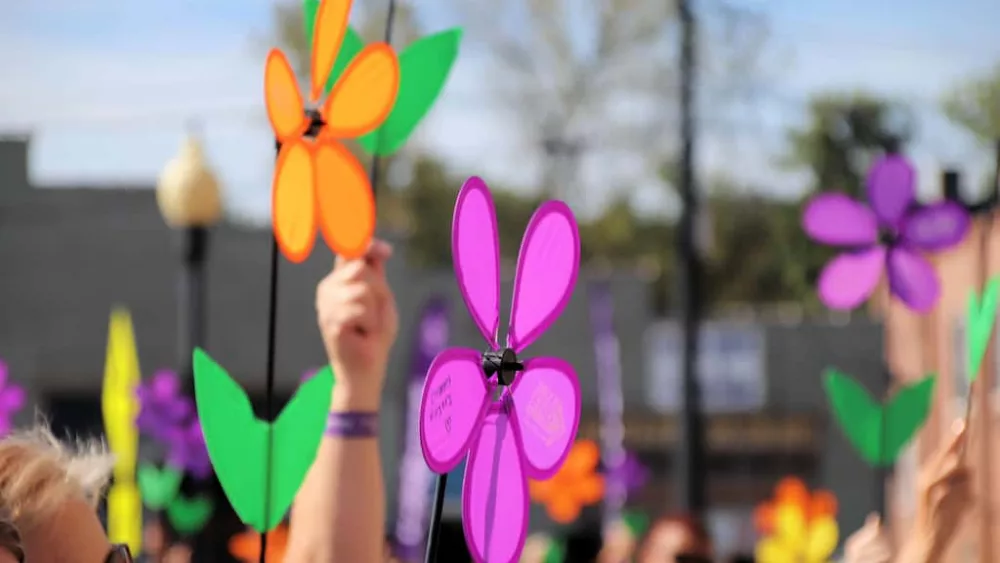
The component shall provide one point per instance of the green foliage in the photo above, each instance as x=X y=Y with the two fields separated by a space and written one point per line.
x=975 y=106
x=843 y=135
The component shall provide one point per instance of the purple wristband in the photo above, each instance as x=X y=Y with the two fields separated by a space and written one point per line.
x=352 y=424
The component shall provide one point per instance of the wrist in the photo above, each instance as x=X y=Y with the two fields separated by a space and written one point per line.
x=349 y=397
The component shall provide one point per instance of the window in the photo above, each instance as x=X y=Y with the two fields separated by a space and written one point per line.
x=730 y=367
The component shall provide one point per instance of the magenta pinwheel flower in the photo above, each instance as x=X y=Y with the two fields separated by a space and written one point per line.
x=11 y=400
x=162 y=406
x=514 y=420
x=890 y=235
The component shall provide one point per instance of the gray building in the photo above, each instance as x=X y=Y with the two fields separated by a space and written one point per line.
x=69 y=255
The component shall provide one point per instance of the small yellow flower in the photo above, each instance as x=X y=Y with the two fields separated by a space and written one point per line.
x=800 y=526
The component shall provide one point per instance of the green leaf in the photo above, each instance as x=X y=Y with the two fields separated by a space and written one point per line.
x=189 y=515
x=349 y=48
x=981 y=315
x=238 y=441
x=423 y=69
x=158 y=487
x=905 y=414
x=556 y=552
x=866 y=423
x=636 y=522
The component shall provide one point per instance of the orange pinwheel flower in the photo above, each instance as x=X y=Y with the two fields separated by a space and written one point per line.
x=319 y=180
x=576 y=485
x=245 y=546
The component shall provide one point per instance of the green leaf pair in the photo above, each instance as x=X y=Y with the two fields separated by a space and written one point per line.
x=879 y=432
x=160 y=489
x=261 y=465
x=424 y=67
x=981 y=315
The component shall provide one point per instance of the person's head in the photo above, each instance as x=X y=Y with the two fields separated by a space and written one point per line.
x=51 y=490
x=679 y=539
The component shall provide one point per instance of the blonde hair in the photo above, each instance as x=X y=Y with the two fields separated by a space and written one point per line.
x=39 y=473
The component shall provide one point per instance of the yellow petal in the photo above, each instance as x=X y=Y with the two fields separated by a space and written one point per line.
x=822 y=539
x=772 y=550
x=790 y=526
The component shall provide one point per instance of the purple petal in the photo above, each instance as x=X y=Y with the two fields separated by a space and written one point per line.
x=936 y=227
x=849 y=279
x=165 y=384
x=838 y=220
x=913 y=279
x=891 y=188
x=12 y=399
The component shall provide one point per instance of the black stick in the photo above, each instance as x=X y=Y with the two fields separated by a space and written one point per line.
x=434 y=532
x=272 y=328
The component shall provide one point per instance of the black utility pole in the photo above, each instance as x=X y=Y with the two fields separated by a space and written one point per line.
x=690 y=466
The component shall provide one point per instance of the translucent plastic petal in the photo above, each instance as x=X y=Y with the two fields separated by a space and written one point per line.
x=345 y=200
x=285 y=109
x=495 y=493
x=452 y=406
x=328 y=34
x=547 y=266
x=546 y=397
x=293 y=202
x=475 y=251
x=364 y=95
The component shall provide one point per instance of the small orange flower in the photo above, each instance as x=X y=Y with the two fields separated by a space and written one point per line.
x=246 y=545
x=791 y=491
x=576 y=485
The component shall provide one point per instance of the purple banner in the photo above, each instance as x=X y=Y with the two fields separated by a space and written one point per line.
x=415 y=479
x=609 y=399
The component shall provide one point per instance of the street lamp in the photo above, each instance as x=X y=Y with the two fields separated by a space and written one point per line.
x=188 y=197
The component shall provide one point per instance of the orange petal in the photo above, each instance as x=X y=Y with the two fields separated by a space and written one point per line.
x=364 y=94
x=345 y=201
x=763 y=518
x=245 y=546
x=539 y=491
x=590 y=489
x=792 y=491
x=284 y=104
x=293 y=202
x=822 y=503
x=328 y=34
x=583 y=457
x=563 y=509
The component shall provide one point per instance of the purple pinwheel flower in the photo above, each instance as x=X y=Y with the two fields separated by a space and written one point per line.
x=162 y=407
x=892 y=234
x=11 y=400
x=631 y=472
x=187 y=450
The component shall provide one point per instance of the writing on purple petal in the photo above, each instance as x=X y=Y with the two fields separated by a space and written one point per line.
x=440 y=404
x=935 y=227
x=545 y=415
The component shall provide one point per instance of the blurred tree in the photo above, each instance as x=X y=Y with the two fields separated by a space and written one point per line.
x=843 y=134
x=597 y=75
x=975 y=106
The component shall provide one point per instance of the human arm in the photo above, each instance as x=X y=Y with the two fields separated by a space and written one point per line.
x=339 y=513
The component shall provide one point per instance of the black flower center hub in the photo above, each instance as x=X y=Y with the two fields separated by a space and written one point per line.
x=503 y=364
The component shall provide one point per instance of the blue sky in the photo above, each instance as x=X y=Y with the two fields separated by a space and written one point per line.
x=108 y=85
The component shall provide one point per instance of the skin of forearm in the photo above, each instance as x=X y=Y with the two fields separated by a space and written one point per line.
x=339 y=513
